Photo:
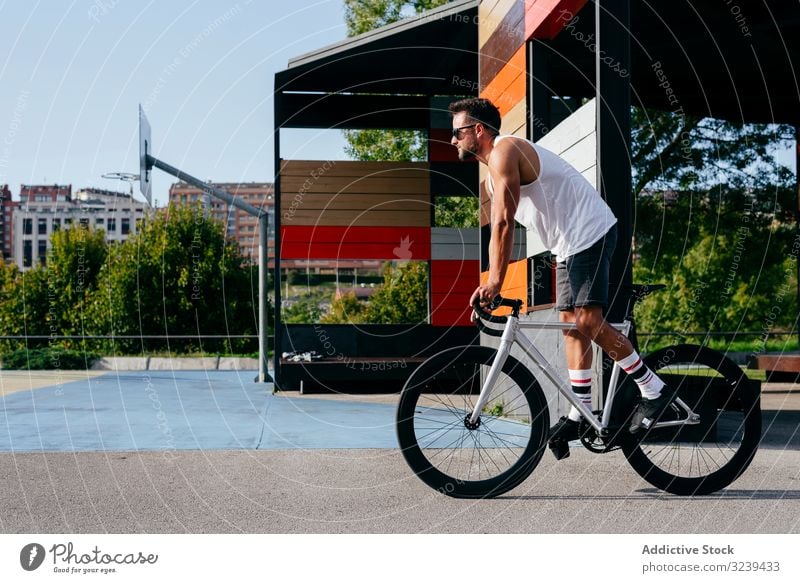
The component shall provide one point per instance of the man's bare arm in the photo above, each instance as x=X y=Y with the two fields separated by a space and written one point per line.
x=504 y=169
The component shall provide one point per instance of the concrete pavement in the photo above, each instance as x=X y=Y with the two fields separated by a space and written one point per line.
x=369 y=491
x=215 y=452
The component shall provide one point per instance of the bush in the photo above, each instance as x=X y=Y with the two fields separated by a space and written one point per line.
x=48 y=359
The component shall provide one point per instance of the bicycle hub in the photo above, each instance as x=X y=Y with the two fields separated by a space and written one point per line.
x=469 y=424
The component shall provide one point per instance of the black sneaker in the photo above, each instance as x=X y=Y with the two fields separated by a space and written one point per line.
x=648 y=411
x=565 y=430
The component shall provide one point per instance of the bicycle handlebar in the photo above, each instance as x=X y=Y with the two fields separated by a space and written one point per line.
x=497 y=302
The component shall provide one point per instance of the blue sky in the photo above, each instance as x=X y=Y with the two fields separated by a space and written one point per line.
x=73 y=73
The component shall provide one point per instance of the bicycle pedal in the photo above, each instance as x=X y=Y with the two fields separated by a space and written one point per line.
x=560 y=448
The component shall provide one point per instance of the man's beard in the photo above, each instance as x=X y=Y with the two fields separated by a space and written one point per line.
x=466 y=155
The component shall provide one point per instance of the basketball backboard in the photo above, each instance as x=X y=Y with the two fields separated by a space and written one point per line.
x=145 y=150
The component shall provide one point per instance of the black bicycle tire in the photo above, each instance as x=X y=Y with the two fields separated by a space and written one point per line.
x=456 y=487
x=744 y=392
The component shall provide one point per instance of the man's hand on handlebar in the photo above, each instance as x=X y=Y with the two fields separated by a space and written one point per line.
x=483 y=295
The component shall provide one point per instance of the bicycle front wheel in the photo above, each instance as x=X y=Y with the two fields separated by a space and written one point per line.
x=707 y=456
x=462 y=459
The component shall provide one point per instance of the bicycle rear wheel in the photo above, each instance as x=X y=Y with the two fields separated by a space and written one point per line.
x=449 y=454
x=706 y=457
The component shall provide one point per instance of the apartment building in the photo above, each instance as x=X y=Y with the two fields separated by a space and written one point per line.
x=45 y=209
x=6 y=213
x=239 y=225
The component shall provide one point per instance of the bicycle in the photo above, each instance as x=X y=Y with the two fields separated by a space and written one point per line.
x=473 y=421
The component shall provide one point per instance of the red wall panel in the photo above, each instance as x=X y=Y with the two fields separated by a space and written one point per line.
x=452 y=284
x=393 y=243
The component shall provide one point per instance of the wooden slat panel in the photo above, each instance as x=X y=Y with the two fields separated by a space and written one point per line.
x=508 y=88
x=326 y=242
x=355 y=169
x=292 y=185
x=487 y=7
x=575 y=140
x=492 y=17
x=582 y=155
x=374 y=218
x=515 y=121
x=544 y=19
x=507 y=38
x=355 y=193
x=571 y=130
x=359 y=201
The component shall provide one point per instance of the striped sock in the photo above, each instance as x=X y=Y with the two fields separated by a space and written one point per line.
x=649 y=383
x=581 y=381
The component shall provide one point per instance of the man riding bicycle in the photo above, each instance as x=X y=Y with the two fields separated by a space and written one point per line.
x=543 y=192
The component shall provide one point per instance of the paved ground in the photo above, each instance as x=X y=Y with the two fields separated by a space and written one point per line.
x=214 y=452
x=369 y=491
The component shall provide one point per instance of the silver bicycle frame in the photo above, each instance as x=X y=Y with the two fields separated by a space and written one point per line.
x=511 y=335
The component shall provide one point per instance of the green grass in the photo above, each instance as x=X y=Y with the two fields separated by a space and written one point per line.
x=495 y=410
x=754 y=344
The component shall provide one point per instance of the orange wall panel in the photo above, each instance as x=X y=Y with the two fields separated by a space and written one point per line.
x=509 y=87
x=515 y=284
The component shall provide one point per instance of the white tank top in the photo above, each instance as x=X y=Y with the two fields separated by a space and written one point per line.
x=562 y=206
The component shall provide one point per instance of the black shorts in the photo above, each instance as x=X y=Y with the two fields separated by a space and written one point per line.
x=582 y=280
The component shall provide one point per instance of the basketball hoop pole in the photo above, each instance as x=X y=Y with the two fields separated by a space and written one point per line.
x=263 y=257
x=204 y=186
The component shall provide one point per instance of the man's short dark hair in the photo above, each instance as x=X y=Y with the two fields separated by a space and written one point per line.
x=481 y=110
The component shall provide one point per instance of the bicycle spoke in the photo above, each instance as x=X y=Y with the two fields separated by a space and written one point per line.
x=702 y=457
x=435 y=432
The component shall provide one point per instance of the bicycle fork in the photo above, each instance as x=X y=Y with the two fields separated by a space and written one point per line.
x=506 y=341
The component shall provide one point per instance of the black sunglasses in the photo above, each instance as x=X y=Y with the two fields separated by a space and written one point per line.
x=456 y=130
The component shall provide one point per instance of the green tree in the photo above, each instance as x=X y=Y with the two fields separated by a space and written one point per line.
x=24 y=306
x=725 y=281
x=395 y=145
x=403 y=296
x=76 y=258
x=305 y=310
x=457 y=212
x=345 y=309
x=178 y=275
x=364 y=15
x=386 y=145
x=52 y=299
x=672 y=151
x=714 y=220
